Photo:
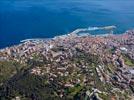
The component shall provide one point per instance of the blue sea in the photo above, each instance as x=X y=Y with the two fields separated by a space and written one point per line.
x=23 y=19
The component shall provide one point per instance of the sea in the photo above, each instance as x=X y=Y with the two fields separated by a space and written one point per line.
x=26 y=19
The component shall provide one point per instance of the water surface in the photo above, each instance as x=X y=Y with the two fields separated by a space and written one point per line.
x=22 y=19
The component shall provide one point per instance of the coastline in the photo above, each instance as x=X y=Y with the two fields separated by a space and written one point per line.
x=80 y=32
x=76 y=32
x=108 y=59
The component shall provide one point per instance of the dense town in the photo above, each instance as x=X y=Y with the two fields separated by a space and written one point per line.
x=75 y=66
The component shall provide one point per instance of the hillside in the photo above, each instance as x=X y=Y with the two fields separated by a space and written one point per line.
x=69 y=67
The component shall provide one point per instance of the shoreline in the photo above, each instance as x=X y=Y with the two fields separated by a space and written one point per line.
x=76 y=32
x=80 y=32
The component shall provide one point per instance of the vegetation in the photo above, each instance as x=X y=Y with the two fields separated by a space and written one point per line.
x=17 y=80
x=128 y=60
x=9 y=69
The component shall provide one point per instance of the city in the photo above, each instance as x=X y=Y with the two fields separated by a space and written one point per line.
x=85 y=67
